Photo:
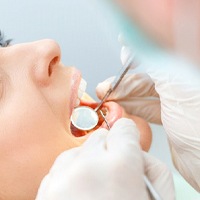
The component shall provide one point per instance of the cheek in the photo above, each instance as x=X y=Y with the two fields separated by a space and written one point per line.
x=57 y=95
x=30 y=140
x=144 y=129
x=31 y=116
x=28 y=123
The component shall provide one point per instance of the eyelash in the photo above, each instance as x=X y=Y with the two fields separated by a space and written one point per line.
x=3 y=42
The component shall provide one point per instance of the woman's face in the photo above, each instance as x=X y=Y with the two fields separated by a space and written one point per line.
x=37 y=95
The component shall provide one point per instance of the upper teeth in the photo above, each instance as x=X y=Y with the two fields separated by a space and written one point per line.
x=82 y=88
x=77 y=102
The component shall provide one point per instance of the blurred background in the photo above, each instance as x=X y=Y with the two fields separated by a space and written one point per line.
x=88 y=36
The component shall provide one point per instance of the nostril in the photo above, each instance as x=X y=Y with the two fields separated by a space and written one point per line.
x=46 y=55
x=52 y=65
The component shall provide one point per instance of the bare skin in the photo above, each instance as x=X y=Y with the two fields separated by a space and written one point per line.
x=173 y=24
x=38 y=94
x=153 y=16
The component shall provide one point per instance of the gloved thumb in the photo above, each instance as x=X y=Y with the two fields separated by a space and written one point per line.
x=103 y=87
x=160 y=176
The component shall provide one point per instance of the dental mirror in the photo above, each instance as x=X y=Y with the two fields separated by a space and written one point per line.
x=84 y=118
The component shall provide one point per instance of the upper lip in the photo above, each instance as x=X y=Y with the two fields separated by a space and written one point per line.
x=75 y=82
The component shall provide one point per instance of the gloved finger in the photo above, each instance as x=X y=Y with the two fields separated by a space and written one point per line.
x=174 y=79
x=43 y=189
x=121 y=39
x=123 y=137
x=132 y=85
x=96 y=141
x=103 y=87
x=125 y=54
x=146 y=108
x=65 y=159
x=160 y=176
x=61 y=166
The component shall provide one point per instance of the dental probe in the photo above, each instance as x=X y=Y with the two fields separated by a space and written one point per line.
x=153 y=193
x=104 y=118
x=86 y=118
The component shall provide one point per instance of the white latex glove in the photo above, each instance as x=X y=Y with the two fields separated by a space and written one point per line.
x=178 y=87
x=109 y=165
x=139 y=96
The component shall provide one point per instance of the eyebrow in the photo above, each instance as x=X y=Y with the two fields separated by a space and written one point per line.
x=3 y=41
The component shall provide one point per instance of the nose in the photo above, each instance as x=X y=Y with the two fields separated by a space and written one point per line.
x=47 y=58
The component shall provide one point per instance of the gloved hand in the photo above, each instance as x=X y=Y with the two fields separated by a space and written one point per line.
x=139 y=96
x=109 y=165
x=171 y=94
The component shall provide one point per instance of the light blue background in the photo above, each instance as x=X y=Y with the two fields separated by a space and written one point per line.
x=87 y=34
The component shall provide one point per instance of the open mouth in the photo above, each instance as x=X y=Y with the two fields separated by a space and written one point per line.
x=111 y=111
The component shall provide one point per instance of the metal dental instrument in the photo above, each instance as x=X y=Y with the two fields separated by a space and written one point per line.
x=116 y=81
x=104 y=118
x=152 y=192
x=86 y=118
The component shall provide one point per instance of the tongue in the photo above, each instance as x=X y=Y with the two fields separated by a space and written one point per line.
x=114 y=112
